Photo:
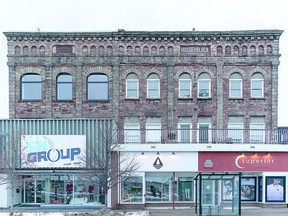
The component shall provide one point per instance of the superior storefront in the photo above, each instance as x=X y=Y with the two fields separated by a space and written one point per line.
x=263 y=179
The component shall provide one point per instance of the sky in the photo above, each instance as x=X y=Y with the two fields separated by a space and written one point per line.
x=144 y=15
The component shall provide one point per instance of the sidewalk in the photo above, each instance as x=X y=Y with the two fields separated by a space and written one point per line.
x=244 y=211
x=39 y=211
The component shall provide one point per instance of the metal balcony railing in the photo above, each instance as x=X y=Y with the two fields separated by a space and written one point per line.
x=198 y=136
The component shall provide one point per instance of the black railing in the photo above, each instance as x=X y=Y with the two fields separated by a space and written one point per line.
x=195 y=136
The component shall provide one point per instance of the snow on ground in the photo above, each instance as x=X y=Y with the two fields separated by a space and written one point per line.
x=135 y=213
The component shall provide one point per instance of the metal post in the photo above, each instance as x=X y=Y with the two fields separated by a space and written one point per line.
x=173 y=190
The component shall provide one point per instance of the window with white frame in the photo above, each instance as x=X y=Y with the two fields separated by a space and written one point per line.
x=235 y=85
x=235 y=132
x=31 y=87
x=132 y=133
x=204 y=85
x=185 y=85
x=257 y=86
x=153 y=86
x=204 y=88
x=132 y=86
x=153 y=132
x=184 y=133
x=257 y=133
x=235 y=88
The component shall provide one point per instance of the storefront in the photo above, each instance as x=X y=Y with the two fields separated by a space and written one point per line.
x=71 y=189
x=263 y=174
x=160 y=180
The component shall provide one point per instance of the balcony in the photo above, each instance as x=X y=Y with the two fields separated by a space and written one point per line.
x=201 y=136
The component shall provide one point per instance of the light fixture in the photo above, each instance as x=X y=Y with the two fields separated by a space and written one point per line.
x=242 y=153
x=142 y=153
x=173 y=153
x=158 y=153
x=254 y=154
x=268 y=154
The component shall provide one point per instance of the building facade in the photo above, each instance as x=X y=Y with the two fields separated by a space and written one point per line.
x=189 y=94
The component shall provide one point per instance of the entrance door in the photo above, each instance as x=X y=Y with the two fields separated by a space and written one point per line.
x=34 y=190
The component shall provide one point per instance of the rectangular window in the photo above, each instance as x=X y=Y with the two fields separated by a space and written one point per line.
x=153 y=88
x=184 y=88
x=153 y=132
x=203 y=88
x=235 y=89
x=235 y=133
x=257 y=88
x=132 y=88
x=204 y=133
x=184 y=133
x=132 y=133
x=257 y=133
x=131 y=189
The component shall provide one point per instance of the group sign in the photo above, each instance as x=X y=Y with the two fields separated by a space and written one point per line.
x=51 y=151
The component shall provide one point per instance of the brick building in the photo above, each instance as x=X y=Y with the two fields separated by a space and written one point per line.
x=163 y=89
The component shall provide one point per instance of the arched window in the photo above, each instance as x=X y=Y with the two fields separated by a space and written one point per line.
x=64 y=87
x=146 y=50
x=219 y=51
x=227 y=50
x=236 y=50
x=260 y=50
x=93 y=50
x=269 y=49
x=121 y=50
x=25 y=50
x=257 y=85
x=31 y=87
x=85 y=50
x=153 y=86
x=244 y=50
x=34 y=50
x=42 y=50
x=185 y=85
x=252 y=50
x=97 y=87
x=154 y=50
x=204 y=85
x=162 y=50
x=17 y=50
x=235 y=85
x=132 y=86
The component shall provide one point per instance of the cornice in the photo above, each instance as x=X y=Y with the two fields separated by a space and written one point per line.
x=122 y=35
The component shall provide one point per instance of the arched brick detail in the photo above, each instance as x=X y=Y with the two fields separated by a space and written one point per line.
x=235 y=70
x=89 y=70
x=180 y=70
x=258 y=70
x=135 y=70
x=153 y=70
x=58 y=70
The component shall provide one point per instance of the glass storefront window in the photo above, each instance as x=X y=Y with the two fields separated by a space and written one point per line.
x=158 y=189
x=131 y=189
x=70 y=189
x=185 y=189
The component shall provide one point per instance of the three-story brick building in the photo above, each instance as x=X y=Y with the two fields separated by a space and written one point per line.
x=187 y=103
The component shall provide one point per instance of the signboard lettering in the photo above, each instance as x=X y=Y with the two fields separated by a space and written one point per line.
x=195 y=50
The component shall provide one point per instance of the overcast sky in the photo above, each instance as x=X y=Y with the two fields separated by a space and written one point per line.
x=147 y=15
